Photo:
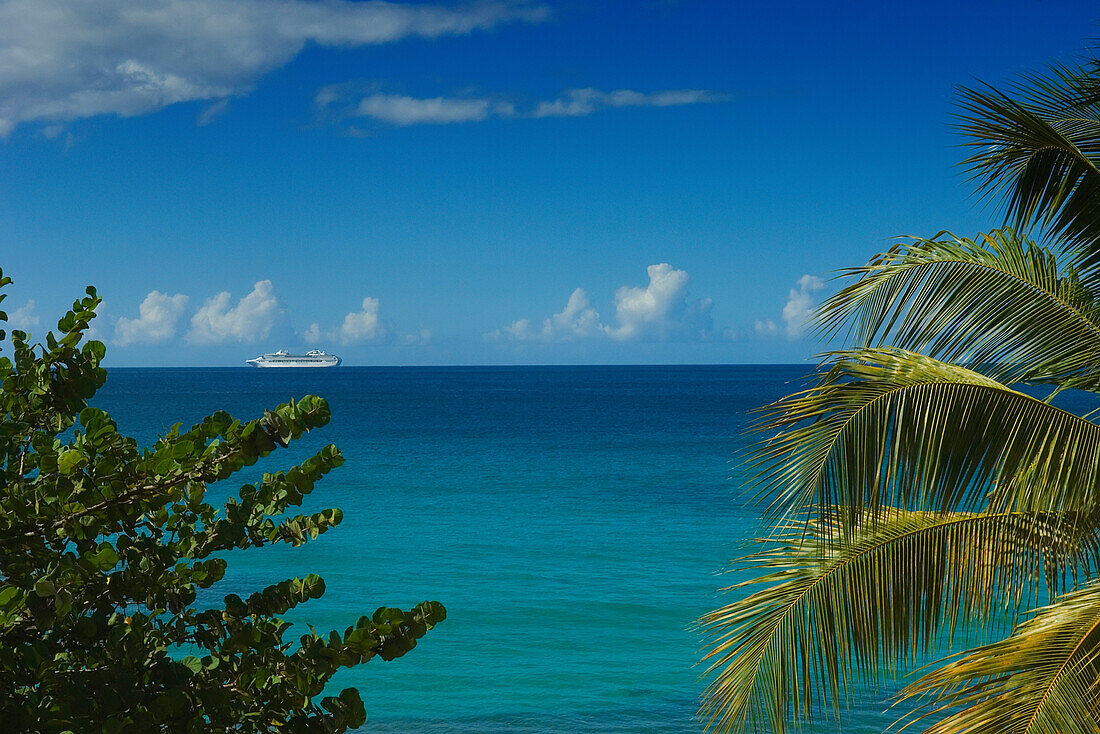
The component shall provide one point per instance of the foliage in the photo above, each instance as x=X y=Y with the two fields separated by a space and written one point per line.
x=104 y=546
x=916 y=487
x=1037 y=145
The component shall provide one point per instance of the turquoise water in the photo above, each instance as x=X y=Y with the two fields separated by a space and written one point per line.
x=573 y=520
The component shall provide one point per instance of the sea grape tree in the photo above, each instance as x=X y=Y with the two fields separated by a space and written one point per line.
x=104 y=546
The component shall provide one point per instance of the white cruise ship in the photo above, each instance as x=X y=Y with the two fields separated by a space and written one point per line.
x=283 y=358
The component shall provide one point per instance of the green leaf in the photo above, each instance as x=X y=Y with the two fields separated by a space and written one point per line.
x=9 y=594
x=105 y=558
x=94 y=350
x=314 y=586
x=192 y=663
x=68 y=461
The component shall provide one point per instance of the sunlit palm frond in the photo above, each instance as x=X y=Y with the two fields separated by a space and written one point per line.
x=1001 y=305
x=887 y=427
x=1043 y=679
x=833 y=607
x=1038 y=146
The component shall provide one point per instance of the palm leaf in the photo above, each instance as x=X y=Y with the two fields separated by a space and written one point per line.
x=1002 y=306
x=834 y=607
x=1043 y=679
x=887 y=427
x=1038 y=146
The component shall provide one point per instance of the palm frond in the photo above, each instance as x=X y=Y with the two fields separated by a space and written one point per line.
x=1001 y=305
x=1043 y=679
x=1038 y=146
x=835 y=609
x=887 y=427
x=912 y=487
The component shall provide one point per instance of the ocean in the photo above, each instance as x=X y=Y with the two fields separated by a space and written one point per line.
x=575 y=521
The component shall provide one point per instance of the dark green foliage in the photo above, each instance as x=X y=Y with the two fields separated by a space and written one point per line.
x=104 y=544
x=1035 y=146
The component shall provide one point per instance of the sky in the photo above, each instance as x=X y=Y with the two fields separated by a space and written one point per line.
x=486 y=182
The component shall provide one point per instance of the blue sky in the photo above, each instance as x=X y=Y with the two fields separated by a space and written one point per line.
x=482 y=182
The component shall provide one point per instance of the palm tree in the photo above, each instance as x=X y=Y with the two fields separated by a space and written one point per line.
x=916 y=487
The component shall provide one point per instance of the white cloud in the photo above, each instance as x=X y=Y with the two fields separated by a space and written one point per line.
x=358 y=327
x=799 y=308
x=156 y=321
x=577 y=320
x=417 y=337
x=23 y=318
x=580 y=102
x=314 y=335
x=363 y=325
x=249 y=321
x=67 y=59
x=766 y=326
x=519 y=330
x=402 y=110
x=399 y=110
x=659 y=311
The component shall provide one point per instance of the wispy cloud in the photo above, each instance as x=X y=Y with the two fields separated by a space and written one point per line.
x=250 y=320
x=400 y=110
x=66 y=59
x=765 y=327
x=156 y=321
x=659 y=311
x=213 y=111
x=423 y=336
x=404 y=110
x=580 y=102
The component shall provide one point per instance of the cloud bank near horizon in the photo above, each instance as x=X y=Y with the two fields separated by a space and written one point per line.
x=255 y=317
x=62 y=60
x=661 y=310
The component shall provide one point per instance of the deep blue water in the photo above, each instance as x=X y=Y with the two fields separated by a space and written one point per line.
x=573 y=520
